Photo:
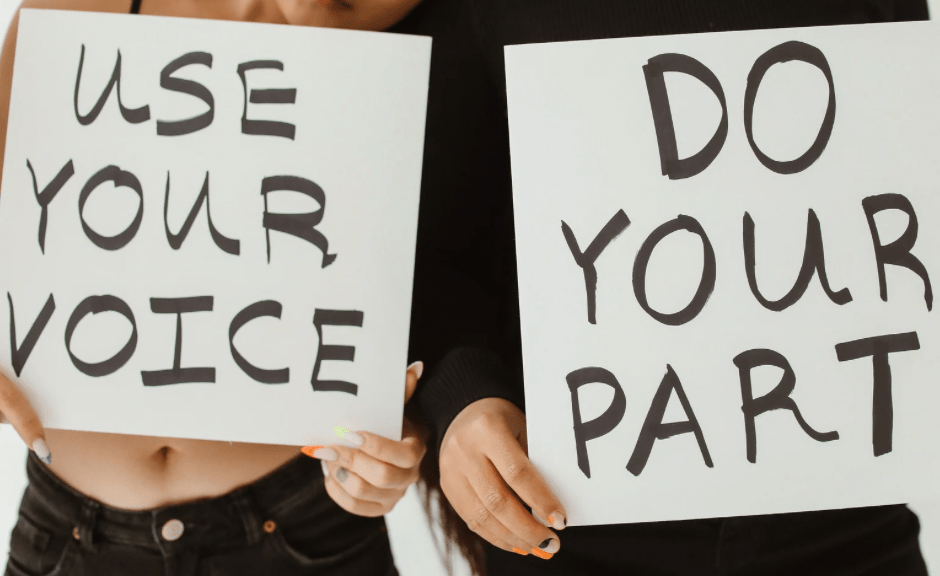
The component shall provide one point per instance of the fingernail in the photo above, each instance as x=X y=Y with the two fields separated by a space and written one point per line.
x=41 y=450
x=326 y=469
x=348 y=435
x=541 y=554
x=419 y=368
x=557 y=520
x=550 y=545
x=321 y=452
x=518 y=551
x=341 y=475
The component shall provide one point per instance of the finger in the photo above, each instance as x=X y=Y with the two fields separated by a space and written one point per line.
x=505 y=507
x=517 y=470
x=16 y=408
x=375 y=472
x=350 y=504
x=355 y=486
x=412 y=375
x=404 y=453
x=480 y=521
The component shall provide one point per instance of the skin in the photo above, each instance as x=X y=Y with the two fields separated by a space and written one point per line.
x=142 y=472
x=487 y=477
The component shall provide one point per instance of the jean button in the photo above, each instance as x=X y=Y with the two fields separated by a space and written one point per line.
x=172 y=530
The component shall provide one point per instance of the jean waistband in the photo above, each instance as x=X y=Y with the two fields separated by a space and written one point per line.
x=239 y=517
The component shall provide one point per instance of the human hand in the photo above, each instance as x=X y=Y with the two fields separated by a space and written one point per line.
x=16 y=409
x=485 y=471
x=369 y=478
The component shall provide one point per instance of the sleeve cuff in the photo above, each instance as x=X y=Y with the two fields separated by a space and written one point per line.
x=462 y=377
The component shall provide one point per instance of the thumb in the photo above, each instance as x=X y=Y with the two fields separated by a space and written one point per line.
x=412 y=375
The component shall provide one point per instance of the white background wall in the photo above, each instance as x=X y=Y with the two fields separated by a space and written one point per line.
x=412 y=540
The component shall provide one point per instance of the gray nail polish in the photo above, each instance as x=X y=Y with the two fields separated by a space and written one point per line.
x=550 y=545
x=42 y=451
x=341 y=475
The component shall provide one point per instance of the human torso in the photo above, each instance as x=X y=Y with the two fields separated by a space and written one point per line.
x=143 y=472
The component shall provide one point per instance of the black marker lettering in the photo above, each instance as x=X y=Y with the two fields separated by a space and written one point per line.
x=814 y=261
x=95 y=305
x=323 y=318
x=20 y=355
x=257 y=310
x=670 y=163
x=603 y=424
x=705 y=287
x=178 y=375
x=586 y=259
x=176 y=240
x=300 y=225
x=654 y=429
x=776 y=399
x=133 y=116
x=787 y=52
x=882 y=412
x=897 y=253
x=191 y=87
x=46 y=196
x=266 y=96
x=120 y=178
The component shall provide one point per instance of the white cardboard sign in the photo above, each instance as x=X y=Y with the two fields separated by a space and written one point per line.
x=207 y=229
x=727 y=248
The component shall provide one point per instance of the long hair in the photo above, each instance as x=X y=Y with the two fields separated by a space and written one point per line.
x=457 y=536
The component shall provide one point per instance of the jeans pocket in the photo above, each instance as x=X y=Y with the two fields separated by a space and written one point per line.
x=37 y=551
x=371 y=555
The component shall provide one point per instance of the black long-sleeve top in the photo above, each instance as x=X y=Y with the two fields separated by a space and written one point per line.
x=465 y=318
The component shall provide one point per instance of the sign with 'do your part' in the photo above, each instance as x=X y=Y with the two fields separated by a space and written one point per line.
x=207 y=229
x=728 y=246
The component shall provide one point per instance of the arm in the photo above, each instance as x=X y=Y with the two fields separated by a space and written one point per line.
x=465 y=321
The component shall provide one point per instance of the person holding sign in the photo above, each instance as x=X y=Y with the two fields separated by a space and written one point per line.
x=495 y=493
x=107 y=504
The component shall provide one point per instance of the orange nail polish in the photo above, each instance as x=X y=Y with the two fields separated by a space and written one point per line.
x=518 y=551
x=541 y=554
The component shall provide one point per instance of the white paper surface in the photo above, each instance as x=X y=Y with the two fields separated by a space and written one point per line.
x=358 y=116
x=584 y=146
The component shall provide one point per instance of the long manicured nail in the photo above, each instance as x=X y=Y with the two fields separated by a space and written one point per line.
x=321 y=452
x=419 y=368
x=550 y=545
x=42 y=450
x=521 y=552
x=341 y=475
x=326 y=469
x=557 y=520
x=348 y=435
x=541 y=554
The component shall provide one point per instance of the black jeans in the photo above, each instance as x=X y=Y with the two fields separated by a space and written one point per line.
x=879 y=541
x=284 y=524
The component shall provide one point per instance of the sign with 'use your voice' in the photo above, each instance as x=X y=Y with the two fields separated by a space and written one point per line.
x=207 y=229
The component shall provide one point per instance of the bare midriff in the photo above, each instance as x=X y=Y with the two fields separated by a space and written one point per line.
x=145 y=472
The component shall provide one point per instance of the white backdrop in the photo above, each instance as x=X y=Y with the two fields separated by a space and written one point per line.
x=411 y=537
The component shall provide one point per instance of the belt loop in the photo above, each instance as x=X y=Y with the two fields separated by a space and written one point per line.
x=251 y=517
x=86 y=526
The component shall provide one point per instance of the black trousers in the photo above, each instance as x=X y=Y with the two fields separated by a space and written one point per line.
x=283 y=524
x=879 y=541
